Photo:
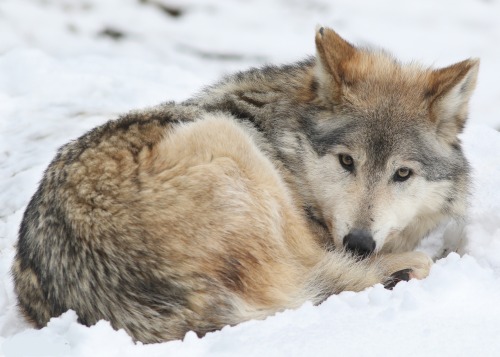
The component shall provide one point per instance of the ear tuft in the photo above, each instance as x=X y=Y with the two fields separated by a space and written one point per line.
x=320 y=29
x=449 y=90
x=333 y=53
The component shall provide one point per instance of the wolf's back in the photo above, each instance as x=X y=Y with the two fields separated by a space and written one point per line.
x=82 y=244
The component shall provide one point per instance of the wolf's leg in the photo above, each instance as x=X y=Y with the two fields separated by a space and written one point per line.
x=419 y=263
x=339 y=271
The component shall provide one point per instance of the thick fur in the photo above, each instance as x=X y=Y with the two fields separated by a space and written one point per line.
x=234 y=205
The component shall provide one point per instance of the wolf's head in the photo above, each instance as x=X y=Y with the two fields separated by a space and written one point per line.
x=385 y=165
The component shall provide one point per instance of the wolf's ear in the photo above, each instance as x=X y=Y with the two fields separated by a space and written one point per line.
x=333 y=53
x=449 y=90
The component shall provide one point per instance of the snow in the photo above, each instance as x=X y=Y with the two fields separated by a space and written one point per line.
x=60 y=76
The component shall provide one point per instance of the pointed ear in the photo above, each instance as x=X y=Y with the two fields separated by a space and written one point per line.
x=449 y=90
x=333 y=53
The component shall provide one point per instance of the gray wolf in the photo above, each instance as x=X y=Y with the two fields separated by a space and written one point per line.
x=276 y=186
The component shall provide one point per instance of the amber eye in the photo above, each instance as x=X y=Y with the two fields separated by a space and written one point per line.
x=402 y=174
x=346 y=161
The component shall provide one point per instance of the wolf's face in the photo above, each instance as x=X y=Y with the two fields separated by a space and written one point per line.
x=377 y=178
x=385 y=161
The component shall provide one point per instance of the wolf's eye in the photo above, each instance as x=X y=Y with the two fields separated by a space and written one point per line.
x=346 y=161
x=402 y=174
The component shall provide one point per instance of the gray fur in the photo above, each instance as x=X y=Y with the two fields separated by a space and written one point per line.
x=112 y=236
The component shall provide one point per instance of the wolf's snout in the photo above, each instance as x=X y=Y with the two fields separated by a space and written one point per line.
x=360 y=242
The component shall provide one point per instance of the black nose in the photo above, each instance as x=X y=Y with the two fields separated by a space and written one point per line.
x=360 y=242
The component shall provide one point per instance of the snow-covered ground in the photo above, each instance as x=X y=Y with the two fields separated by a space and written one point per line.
x=68 y=65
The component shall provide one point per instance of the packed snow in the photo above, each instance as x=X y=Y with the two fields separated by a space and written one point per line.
x=67 y=66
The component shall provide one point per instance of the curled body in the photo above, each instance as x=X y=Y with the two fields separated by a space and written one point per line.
x=276 y=186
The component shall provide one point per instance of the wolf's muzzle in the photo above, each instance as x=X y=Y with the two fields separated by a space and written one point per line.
x=359 y=242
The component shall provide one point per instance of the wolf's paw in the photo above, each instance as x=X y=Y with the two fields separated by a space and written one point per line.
x=420 y=265
x=405 y=266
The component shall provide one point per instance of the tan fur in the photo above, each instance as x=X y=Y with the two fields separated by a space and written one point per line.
x=222 y=209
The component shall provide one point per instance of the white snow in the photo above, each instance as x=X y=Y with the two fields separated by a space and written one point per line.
x=59 y=76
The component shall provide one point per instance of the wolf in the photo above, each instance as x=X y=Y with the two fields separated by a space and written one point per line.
x=276 y=186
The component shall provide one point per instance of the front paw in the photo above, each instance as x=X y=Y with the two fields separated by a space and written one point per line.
x=405 y=266
x=420 y=265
